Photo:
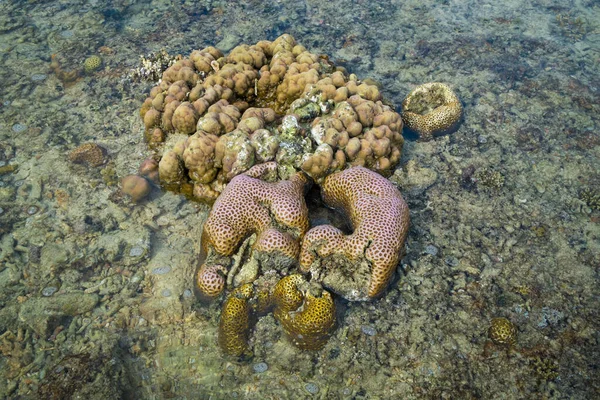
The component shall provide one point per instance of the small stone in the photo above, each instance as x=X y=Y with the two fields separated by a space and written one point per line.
x=18 y=128
x=32 y=210
x=431 y=250
x=166 y=293
x=260 y=367
x=482 y=139
x=38 y=77
x=452 y=261
x=368 y=330
x=49 y=291
x=136 y=251
x=312 y=388
x=165 y=269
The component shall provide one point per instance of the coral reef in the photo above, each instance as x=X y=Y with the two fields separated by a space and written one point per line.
x=256 y=225
x=358 y=266
x=305 y=311
x=230 y=108
x=234 y=326
x=431 y=109
x=502 y=332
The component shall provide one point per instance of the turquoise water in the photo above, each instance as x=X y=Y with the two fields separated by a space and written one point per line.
x=97 y=290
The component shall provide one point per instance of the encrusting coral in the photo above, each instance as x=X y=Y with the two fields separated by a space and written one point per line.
x=306 y=313
x=431 y=109
x=91 y=154
x=234 y=326
x=231 y=107
x=358 y=266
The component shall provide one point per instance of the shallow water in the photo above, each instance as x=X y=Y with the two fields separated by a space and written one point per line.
x=96 y=290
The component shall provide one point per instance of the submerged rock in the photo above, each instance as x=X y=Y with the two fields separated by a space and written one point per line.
x=43 y=314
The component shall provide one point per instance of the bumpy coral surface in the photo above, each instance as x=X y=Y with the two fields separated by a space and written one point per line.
x=249 y=204
x=431 y=109
x=91 y=64
x=268 y=101
x=502 y=331
x=234 y=326
x=274 y=211
x=210 y=281
x=90 y=154
x=358 y=266
x=308 y=318
x=306 y=313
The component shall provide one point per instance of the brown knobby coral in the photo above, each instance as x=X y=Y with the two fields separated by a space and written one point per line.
x=273 y=100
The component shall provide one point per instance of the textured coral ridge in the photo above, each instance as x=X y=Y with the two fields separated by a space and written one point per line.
x=274 y=211
x=269 y=101
x=307 y=318
x=358 y=266
x=431 y=109
x=306 y=312
x=234 y=326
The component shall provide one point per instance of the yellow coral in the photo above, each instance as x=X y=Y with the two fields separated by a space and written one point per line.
x=91 y=64
x=234 y=326
x=307 y=319
x=502 y=331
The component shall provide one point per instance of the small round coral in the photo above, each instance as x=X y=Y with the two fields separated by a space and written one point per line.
x=91 y=64
x=431 y=109
x=210 y=281
x=358 y=266
x=137 y=187
x=502 y=332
